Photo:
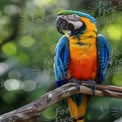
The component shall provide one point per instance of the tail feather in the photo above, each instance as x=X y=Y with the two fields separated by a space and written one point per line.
x=81 y=120
x=77 y=98
x=75 y=110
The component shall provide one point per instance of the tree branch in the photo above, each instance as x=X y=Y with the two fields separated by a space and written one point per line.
x=30 y=112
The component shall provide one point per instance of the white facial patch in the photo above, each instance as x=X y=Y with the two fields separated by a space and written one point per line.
x=76 y=24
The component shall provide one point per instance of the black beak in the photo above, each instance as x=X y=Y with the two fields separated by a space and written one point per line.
x=61 y=24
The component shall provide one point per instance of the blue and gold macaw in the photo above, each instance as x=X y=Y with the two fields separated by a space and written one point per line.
x=80 y=55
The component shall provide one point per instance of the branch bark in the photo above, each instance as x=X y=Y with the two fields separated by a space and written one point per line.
x=30 y=112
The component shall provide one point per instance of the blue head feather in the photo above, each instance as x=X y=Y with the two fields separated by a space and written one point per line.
x=81 y=14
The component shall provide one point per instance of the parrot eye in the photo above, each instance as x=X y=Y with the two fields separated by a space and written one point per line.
x=73 y=17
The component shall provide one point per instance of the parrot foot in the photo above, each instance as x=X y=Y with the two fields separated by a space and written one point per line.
x=92 y=85
x=77 y=82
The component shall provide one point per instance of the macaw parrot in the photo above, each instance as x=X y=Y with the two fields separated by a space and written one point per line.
x=80 y=55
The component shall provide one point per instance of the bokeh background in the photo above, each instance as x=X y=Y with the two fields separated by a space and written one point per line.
x=27 y=40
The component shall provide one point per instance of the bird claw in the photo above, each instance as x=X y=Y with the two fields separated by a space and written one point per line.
x=77 y=82
x=92 y=85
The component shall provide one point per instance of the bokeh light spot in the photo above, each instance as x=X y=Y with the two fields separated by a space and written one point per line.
x=3 y=68
x=11 y=9
x=9 y=49
x=117 y=79
x=114 y=32
x=29 y=85
x=9 y=98
x=50 y=114
x=14 y=74
x=26 y=41
x=23 y=58
x=12 y=84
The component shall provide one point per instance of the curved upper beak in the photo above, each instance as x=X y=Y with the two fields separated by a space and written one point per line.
x=61 y=24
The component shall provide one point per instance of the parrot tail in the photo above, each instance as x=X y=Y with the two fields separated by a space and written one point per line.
x=79 y=120
x=77 y=112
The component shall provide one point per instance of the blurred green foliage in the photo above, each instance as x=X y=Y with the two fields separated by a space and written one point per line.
x=26 y=62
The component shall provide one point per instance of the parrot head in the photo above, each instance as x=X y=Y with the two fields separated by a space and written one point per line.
x=75 y=22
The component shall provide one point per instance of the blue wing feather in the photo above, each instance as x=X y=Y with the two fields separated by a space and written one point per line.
x=61 y=66
x=103 y=57
x=61 y=61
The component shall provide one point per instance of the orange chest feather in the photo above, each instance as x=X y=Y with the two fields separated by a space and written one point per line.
x=83 y=58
